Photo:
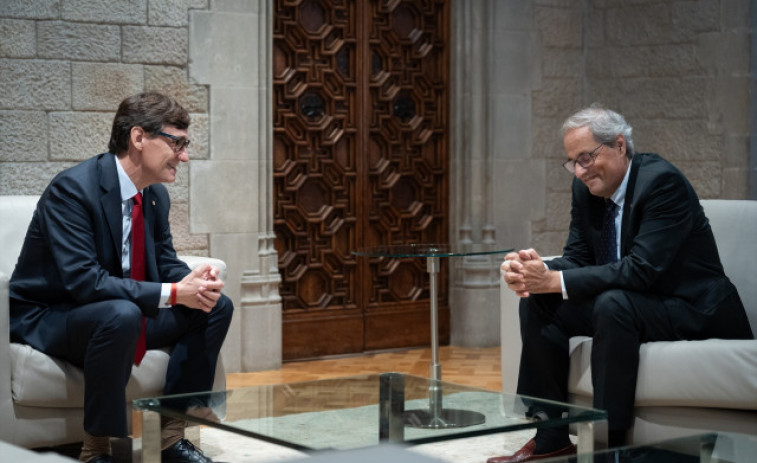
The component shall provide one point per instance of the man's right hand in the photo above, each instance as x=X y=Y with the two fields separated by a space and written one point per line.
x=201 y=289
x=525 y=274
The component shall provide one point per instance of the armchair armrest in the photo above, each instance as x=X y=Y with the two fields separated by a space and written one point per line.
x=5 y=353
x=509 y=336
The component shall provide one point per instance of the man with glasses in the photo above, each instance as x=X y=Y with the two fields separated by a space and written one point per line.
x=640 y=264
x=98 y=281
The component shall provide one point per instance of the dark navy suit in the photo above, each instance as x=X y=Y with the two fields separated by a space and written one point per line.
x=69 y=297
x=669 y=284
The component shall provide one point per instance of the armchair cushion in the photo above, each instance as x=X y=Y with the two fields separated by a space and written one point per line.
x=708 y=373
x=39 y=380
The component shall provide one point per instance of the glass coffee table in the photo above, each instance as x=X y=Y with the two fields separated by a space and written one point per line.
x=435 y=415
x=702 y=448
x=354 y=412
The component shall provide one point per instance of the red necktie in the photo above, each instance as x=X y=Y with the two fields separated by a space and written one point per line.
x=138 y=263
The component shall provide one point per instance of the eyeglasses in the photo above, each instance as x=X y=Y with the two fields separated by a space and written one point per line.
x=584 y=160
x=179 y=143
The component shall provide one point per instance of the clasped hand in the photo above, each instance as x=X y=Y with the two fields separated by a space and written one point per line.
x=526 y=274
x=201 y=289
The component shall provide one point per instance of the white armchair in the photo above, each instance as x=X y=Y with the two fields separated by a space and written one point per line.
x=41 y=397
x=683 y=387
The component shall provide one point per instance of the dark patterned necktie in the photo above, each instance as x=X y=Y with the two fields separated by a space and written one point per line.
x=138 y=263
x=608 y=247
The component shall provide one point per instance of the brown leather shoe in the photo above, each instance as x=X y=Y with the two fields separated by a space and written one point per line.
x=526 y=453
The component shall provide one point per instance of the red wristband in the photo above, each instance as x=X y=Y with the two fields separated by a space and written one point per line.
x=173 y=293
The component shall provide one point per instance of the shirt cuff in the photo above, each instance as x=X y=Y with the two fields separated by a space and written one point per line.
x=562 y=285
x=165 y=296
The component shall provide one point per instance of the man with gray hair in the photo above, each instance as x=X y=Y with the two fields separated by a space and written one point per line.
x=640 y=264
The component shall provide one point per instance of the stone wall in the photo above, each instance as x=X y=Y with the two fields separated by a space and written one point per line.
x=679 y=71
x=64 y=68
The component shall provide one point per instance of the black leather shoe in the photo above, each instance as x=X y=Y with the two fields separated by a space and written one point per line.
x=102 y=458
x=183 y=452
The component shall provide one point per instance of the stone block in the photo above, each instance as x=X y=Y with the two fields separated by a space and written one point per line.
x=550 y=243
x=235 y=123
x=556 y=96
x=155 y=45
x=24 y=135
x=510 y=126
x=239 y=6
x=224 y=196
x=17 y=38
x=79 y=41
x=735 y=14
x=645 y=61
x=667 y=97
x=28 y=178
x=474 y=316
x=32 y=9
x=172 y=80
x=736 y=103
x=512 y=16
x=736 y=152
x=35 y=84
x=644 y=24
x=179 y=189
x=225 y=49
x=559 y=27
x=76 y=136
x=664 y=136
x=102 y=86
x=183 y=240
x=697 y=16
x=174 y=13
x=705 y=177
x=562 y=63
x=546 y=139
x=735 y=184
x=513 y=64
x=724 y=53
x=199 y=133
x=106 y=12
x=558 y=210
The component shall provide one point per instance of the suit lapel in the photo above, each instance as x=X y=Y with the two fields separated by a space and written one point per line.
x=110 y=201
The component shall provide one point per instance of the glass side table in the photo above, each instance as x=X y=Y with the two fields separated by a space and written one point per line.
x=436 y=416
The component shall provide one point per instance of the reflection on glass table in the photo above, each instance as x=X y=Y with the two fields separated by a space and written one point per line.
x=703 y=448
x=436 y=415
x=352 y=412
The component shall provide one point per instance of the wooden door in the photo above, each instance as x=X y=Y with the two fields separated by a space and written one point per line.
x=360 y=159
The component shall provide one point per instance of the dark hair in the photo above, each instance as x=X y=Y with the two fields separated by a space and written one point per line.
x=151 y=111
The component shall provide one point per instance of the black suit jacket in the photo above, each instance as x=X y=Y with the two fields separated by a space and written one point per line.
x=667 y=246
x=72 y=252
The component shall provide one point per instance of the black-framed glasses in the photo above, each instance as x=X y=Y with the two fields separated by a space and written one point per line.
x=584 y=160
x=179 y=143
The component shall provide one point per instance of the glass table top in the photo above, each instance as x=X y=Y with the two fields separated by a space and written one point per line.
x=345 y=413
x=431 y=250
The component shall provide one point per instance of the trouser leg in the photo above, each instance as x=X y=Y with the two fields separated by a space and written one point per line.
x=102 y=339
x=196 y=338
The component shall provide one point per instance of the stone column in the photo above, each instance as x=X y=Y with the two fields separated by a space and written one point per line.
x=496 y=187
x=231 y=192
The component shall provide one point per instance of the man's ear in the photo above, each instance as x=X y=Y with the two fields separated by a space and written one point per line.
x=137 y=136
x=621 y=141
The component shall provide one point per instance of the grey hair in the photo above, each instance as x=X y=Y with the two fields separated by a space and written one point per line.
x=603 y=123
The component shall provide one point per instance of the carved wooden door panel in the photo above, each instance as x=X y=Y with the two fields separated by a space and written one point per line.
x=360 y=159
